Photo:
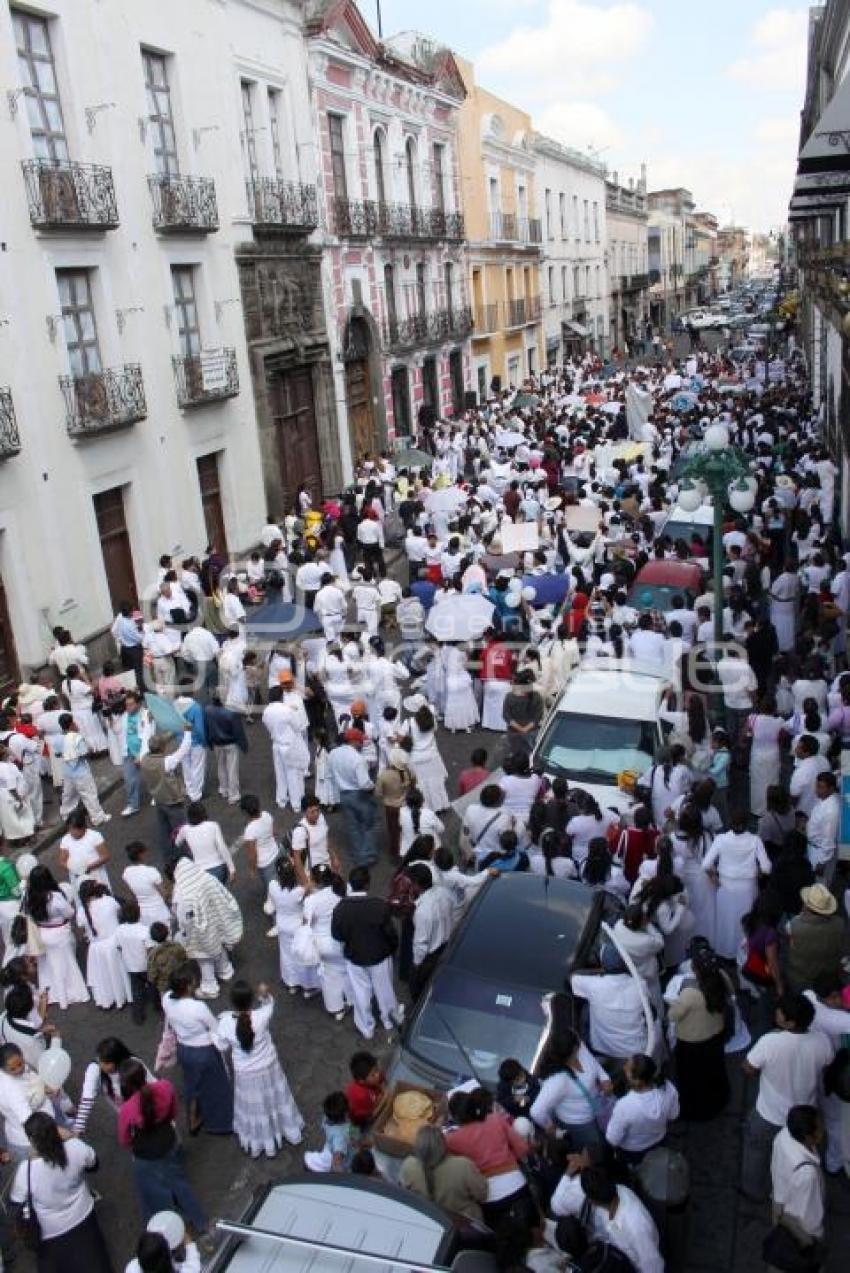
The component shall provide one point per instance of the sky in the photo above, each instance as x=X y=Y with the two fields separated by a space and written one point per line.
x=707 y=93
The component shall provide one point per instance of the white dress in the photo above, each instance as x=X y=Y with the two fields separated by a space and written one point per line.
x=336 y=560
x=427 y=764
x=58 y=970
x=16 y=817
x=738 y=858
x=264 y=1110
x=289 y=914
x=702 y=895
x=80 y=697
x=326 y=789
x=106 y=975
x=338 y=686
x=318 y=911
x=783 y=609
x=142 y=881
x=765 y=760
x=461 y=708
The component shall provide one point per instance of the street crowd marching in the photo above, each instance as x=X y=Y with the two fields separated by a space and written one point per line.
x=520 y=528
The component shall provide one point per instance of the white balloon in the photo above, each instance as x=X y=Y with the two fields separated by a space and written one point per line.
x=512 y=600
x=170 y=1225
x=54 y=1066
x=528 y=594
x=25 y=864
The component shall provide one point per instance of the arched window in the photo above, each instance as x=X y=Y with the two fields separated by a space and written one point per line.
x=378 y=154
x=410 y=166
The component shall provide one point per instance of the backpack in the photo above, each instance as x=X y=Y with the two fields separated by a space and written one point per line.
x=602 y=1257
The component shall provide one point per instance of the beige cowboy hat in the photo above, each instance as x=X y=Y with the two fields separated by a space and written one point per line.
x=818 y=898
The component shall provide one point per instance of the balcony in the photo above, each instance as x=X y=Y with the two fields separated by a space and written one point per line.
x=523 y=311
x=486 y=319
x=210 y=376
x=431 y=327
x=278 y=206
x=632 y=282
x=183 y=205
x=103 y=400
x=507 y=227
x=68 y=196
x=369 y=219
x=10 y=439
x=533 y=309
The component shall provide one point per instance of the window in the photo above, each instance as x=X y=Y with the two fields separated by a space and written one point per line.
x=274 y=127
x=551 y=285
x=337 y=141
x=378 y=156
x=587 y=290
x=410 y=165
x=249 y=134
x=389 y=292
x=421 y=293
x=562 y=210
x=586 y=221
x=598 y=287
x=494 y=195
x=439 y=177
x=576 y=282
x=38 y=79
x=564 y=287
x=160 y=118
x=595 y=221
x=576 y=230
x=400 y=387
x=481 y=376
x=78 y=321
x=186 y=310
x=448 y=275
x=548 y=204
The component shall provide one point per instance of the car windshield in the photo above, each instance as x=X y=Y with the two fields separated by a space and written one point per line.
x=467 y=1026
x=596 y=748
x=659 y=596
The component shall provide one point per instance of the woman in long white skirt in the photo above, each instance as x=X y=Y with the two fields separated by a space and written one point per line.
x=425 y=760
x=765 y=758
x=98 y=916
x=736 y=858
x=690 y=843
x=336 y=560
x=435 y=681
x=264 y=1110
x=80 y=697
x=461 y=708
x=16 y=816
x=319 y=906
x=494 y=694
x=287 y=896
x=52 y=912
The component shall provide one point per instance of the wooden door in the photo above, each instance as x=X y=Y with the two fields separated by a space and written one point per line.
x=456 y=376
x=210 y=486
x=430 y=389
x=115 y=546
x=297 y=441
x=9 y=668
x=358 y=397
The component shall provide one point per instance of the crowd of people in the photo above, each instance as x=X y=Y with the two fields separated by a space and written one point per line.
x=516 y=533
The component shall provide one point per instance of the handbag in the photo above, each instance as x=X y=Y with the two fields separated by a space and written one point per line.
x=601 y=1104
x=782 y=1249
x=35 y=946
x=304 y=948
x=27 y=1223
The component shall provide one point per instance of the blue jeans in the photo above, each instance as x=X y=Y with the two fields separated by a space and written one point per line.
x=163 y=1185
x=359 y=810
x=219 y=872
x=132 y=783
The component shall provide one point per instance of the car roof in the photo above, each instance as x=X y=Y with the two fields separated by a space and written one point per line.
x=348 y=1212
x=683 y=574
x=702 y=516
x=552 y=912
x=627 y=692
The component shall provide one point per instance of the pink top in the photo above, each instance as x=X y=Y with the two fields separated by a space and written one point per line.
x=490 y=1144
x=130 y=1113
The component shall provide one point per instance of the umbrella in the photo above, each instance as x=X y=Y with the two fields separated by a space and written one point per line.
x=594 y=399
x=611 y=408
x=510 y=437
x=523 y=400
x=281 y=621
x=447 y=501
x=165 y=715
x=683 y=401
x=460 y=618
x=550 y=590
x=411 y=458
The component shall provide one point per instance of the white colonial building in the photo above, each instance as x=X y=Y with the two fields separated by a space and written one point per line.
x=128 y=417
x=628 y=259
x=571 y=203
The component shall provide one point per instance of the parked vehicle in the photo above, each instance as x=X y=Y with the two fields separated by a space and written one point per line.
x=682 y=525
x=658 y=582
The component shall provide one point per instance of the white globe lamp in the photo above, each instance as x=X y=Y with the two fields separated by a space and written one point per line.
x=690 y=498
x=716 y=437
x=741 y=497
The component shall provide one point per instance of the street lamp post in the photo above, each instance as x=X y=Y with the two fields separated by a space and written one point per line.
x=724 y=472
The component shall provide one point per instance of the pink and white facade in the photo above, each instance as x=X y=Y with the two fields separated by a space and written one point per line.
x=394 y=257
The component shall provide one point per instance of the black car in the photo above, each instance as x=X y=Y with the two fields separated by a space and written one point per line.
x=521 y=938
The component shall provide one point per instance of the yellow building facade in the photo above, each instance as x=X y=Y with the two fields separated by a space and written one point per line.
x=504 y=237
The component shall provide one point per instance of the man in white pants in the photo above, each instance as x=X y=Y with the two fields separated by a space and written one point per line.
x=285 y=718
x=195 y=764
x=331 y=606
x=77 y=781
x=365 y=928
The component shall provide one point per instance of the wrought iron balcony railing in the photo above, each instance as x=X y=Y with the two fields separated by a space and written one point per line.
x=427 y=328
x=533 y=309
x=183 y=204
x=209 y=376
x=277 y=205
x=103 y=400
x=507 y=227
x=370 y=218
x=10 y=439
x=486 y=318
x=70 y=196
x=517 y=314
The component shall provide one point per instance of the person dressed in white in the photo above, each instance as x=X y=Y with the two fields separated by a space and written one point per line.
x=206 y=843
x=287 y=893
x=796 y=1175
x=784 y=592
x=285 y=719
x=264 y=1110
x=83 y=852
x=79 y=695
x=365 y=928
x=145 y=883
x=617 y=1021
x=52 y=912
x=99 y=916
x=331 y=607
x=425 y=759
x=666 y=782
x=617 y=1216
x=17 y=821
x=569 y=1096
x=810 y=765
x=767 y=730
x=461 y=708
x=22 y=1093
x=736 y=859
x=367 y=599
x=319 y=906
x=169 y=1226
x=639 y=1119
